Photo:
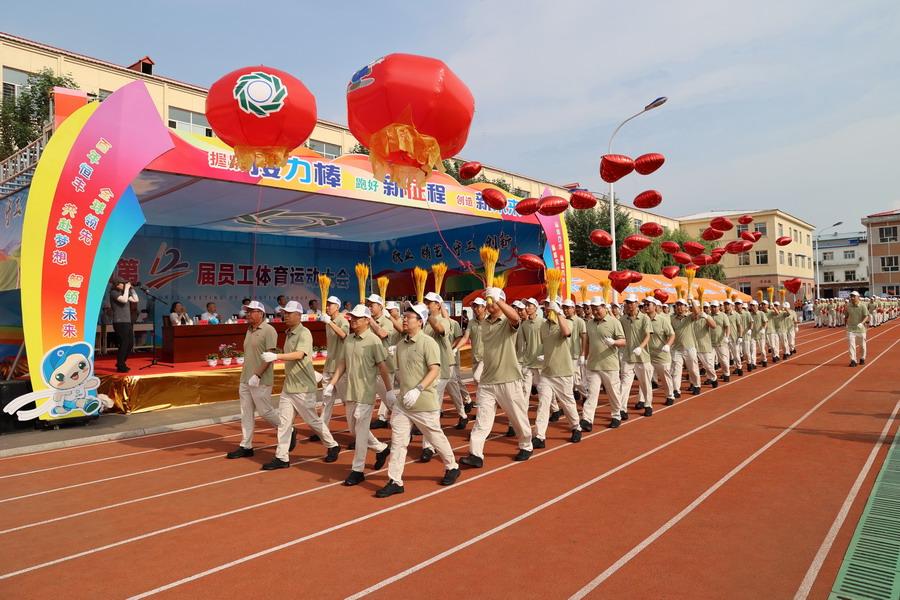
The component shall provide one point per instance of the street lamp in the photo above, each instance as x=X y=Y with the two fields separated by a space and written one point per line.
x=816 y=257
x=612 y=211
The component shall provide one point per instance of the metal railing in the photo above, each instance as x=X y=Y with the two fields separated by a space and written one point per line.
x=17 y=169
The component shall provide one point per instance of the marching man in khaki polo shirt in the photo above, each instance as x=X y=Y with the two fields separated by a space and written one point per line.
x=419 y=362
x=685 y=349
x=362 y=362
x=336 y=330
x=257 y=379
x=636 y=326
x=382 y=327
x=557 y=377
x=299 y=391
x=532 y=352
x=500 y=380
x=439 y=328
x=576 y=343
x=720 y=337
x=601 y=350
x=662 y=336
x=857 y=317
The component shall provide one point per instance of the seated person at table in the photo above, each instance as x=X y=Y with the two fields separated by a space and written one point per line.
x=242 y=314
x=210 y=313
x=348 y=306
x=313 y=307
x=282 y=301
x=179 y=315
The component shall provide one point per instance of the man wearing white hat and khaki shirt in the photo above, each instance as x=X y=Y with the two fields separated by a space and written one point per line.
x=636 y=326
x=685 y=349
x=662 y=336
x=363 y=361
x=857 y=317
x=758 y=324
x=256 y=380
x=556 y=378
x=419 y=360
x=382 y=327
x=336 y=330
x=532 y=352
x=299 y=391
x=721 y=338
x=735 y=337
x=601 y=350
x=576 y=344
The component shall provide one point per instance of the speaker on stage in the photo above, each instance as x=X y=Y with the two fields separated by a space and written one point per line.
x=9 y=391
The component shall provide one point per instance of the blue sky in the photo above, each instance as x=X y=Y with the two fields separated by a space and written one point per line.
x=772 y=104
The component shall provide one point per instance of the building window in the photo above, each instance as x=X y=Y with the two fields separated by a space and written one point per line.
x=890 y=263
x=849 y=275
x=890 y=290
x=323 y=148
x=885 y=234
x=781 y=257
x=185 y=120
x=744 y=259
x=741 y=228
x=761 y=227
x=807 y=240
x=762 y=257
x=780 y=230
x=745 y=288
x=849 y=253
x=790 y=259
x=828 y=256
x=802 y=260
x=828 y=276
x=14 y=83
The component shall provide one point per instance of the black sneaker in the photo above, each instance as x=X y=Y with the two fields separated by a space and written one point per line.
x=708 y=381
x=427 y=455
x=510 y=432
x=473 y=461
x=381 y=458
x=276 y=463
x=577 y=395
x=351 y=446
x=450 y=476
x=740 y=372
x=765 y=364
x=555 y=415
x=522 y=456
x=726 y=378
x=613 y=424
x=293 y=440
x=862 y=361
x=538 y=443
x=534 y=391
x=677 y=394
x=669 y=401
x=638 y=406
x=852 y=364
x=648 y=412
x=355 y=478
x=241 y=452
x=378 y=424
x=463 y=421
x=467 y=407
x=315 y=438
x=390 y=489
x=715 y=383
x=775 y=359
x=654 y=385
x=332 y=454
x=695 y=390
x=576 y=436
x=623 y=415
x=585 y=425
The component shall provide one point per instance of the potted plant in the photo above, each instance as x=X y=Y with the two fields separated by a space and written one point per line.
x=227 y=351
x=239 y=357
x=212 y=359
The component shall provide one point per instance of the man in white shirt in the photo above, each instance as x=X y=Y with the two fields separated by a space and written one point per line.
x=210 y=313
x=242 y=314
x=282 y=301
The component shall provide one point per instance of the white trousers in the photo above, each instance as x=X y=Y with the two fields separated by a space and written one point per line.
x=687 y=359
x=429 y=423
x=359 y=417
x=457 y=388
x=642 y=371
x=736 y=351
x=578 y=378
x=555 y=387
x=708 y=360
x=723 y=355
x=774 y=340
x=854 y=338
x=663 y=372
x=792 y=338
x=305 y=405
x=339 y=390
x=510 y=398
x=255 y=400
x=611 y=383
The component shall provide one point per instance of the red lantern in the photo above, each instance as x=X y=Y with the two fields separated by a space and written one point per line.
x=552 y=205
x=620 y=280
x=792 y=285
x=748 y=236
x=651 y=229
x=601 y=238
x=722 y=224
x=784 y=240
x=670 y=272
x=637 y=242
x=682 y=258
x=636 y=277
x=614 y=167
x=745 y=220
x=531 y=262
x=647 y=163
x=469 y=170
x=661 y=295
x=648 y=199
x=582 y=199
x=493 y=198
x=262 y=113
x=527 y=206
x=694 y=248
x=625 y=252
x=410 y=112
x=710 y=234
x=670 y=247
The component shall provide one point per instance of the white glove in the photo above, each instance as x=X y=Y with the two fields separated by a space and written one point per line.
x=554 y=307
x=318 y=376
x=455 y=351
x=478 y=370
x=860 y=326
x=666 y=348
x=540 y=357
x=740 y=340
x=703 y=315
x=269 y=356
x=582 y=361
x=410 y=397
x=328 y=390
x=253 y=381
x=390 y=398
x=637 y=351
x=392 y=350
x=609 y=342
x=493 y=293
x=325 y=319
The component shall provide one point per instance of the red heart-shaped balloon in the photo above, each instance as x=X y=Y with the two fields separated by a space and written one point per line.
x=692 y=266
x=469 y=170
x=756 y=236
x=647 y=163
x=552 y=205
x=527 y=206
x=531 y=262
x=748 y=235
x=694 y=248
x=625 y=252
x=493 y=198
x=682 y=258
x=651 y=229
x=614 y=167
x=637 y=242
x=702 y=259
x=670 y=247
x=582 y=200
x=784 y=240
x=636 y=277
x=745 y=220
x=709 y=234
x=722 y=224
x=671 y=272
x=620 y=280
x=648 y=199
x=661 y=295
x=601 y=238
x=792 y=285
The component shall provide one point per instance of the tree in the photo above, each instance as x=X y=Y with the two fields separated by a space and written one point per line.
x=22 y=120
x=358 y=149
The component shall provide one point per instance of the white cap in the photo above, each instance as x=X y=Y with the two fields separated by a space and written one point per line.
x=615 y=304
x=738 y=301
x=568 y=302
x=256 y=305
x=777 y=303
x=854 y=293
x=375 y=298
x=765 y=301
x=419 y=309
x=518 y=304
x=681 y=301
x=727 y=301
x=715 y=303
x=293 y=306
x=333 y=300
x=707 y=304
x=479 y=302
x=653 y=300
x=754 y=302
x=360 y=311
x=531 y=301
x=631 y=298
x=597 y=301
x=579 y=304
x=433 y=297
x=392 y=305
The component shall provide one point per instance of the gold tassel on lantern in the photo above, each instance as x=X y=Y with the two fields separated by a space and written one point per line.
x=362 y=276
x=420 y=277
x=771 y=292
x=553 y=277
x=489 y=258
x=439 y=271
x=324 y=285
x=383 y=287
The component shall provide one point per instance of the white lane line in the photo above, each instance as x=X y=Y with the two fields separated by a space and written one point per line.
x=463 y=482
x=689 y=508
x=813 y=572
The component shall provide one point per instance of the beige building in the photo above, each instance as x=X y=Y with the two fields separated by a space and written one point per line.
x=884 y=252
x=767 y=264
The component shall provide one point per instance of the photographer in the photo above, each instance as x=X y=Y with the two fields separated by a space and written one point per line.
x=121 y=296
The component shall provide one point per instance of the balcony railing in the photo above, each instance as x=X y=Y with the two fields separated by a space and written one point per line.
x=17 y=169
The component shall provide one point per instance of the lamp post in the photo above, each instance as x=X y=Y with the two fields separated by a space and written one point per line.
x=816 y=256
x=612 y=210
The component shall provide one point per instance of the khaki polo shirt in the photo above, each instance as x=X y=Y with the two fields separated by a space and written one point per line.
x=414 y=356
x=455 y=334
x=758 y=321
x=475 y=339
x=500 y=362
x=388 y=326
x=262 y=339
x=702 y=333
x=734 y=320
x=334 y=344
x=855 y=316
x=684 y=332
x=746 y=321
x=717 y=335
x=636 y=329
x=531 y=335
x=575 y=342
x=394 y=338
x=557 y=353
x=600 y=356
x=660 y=332
x=444 y=343
x=362 y=353
x=299 y=375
